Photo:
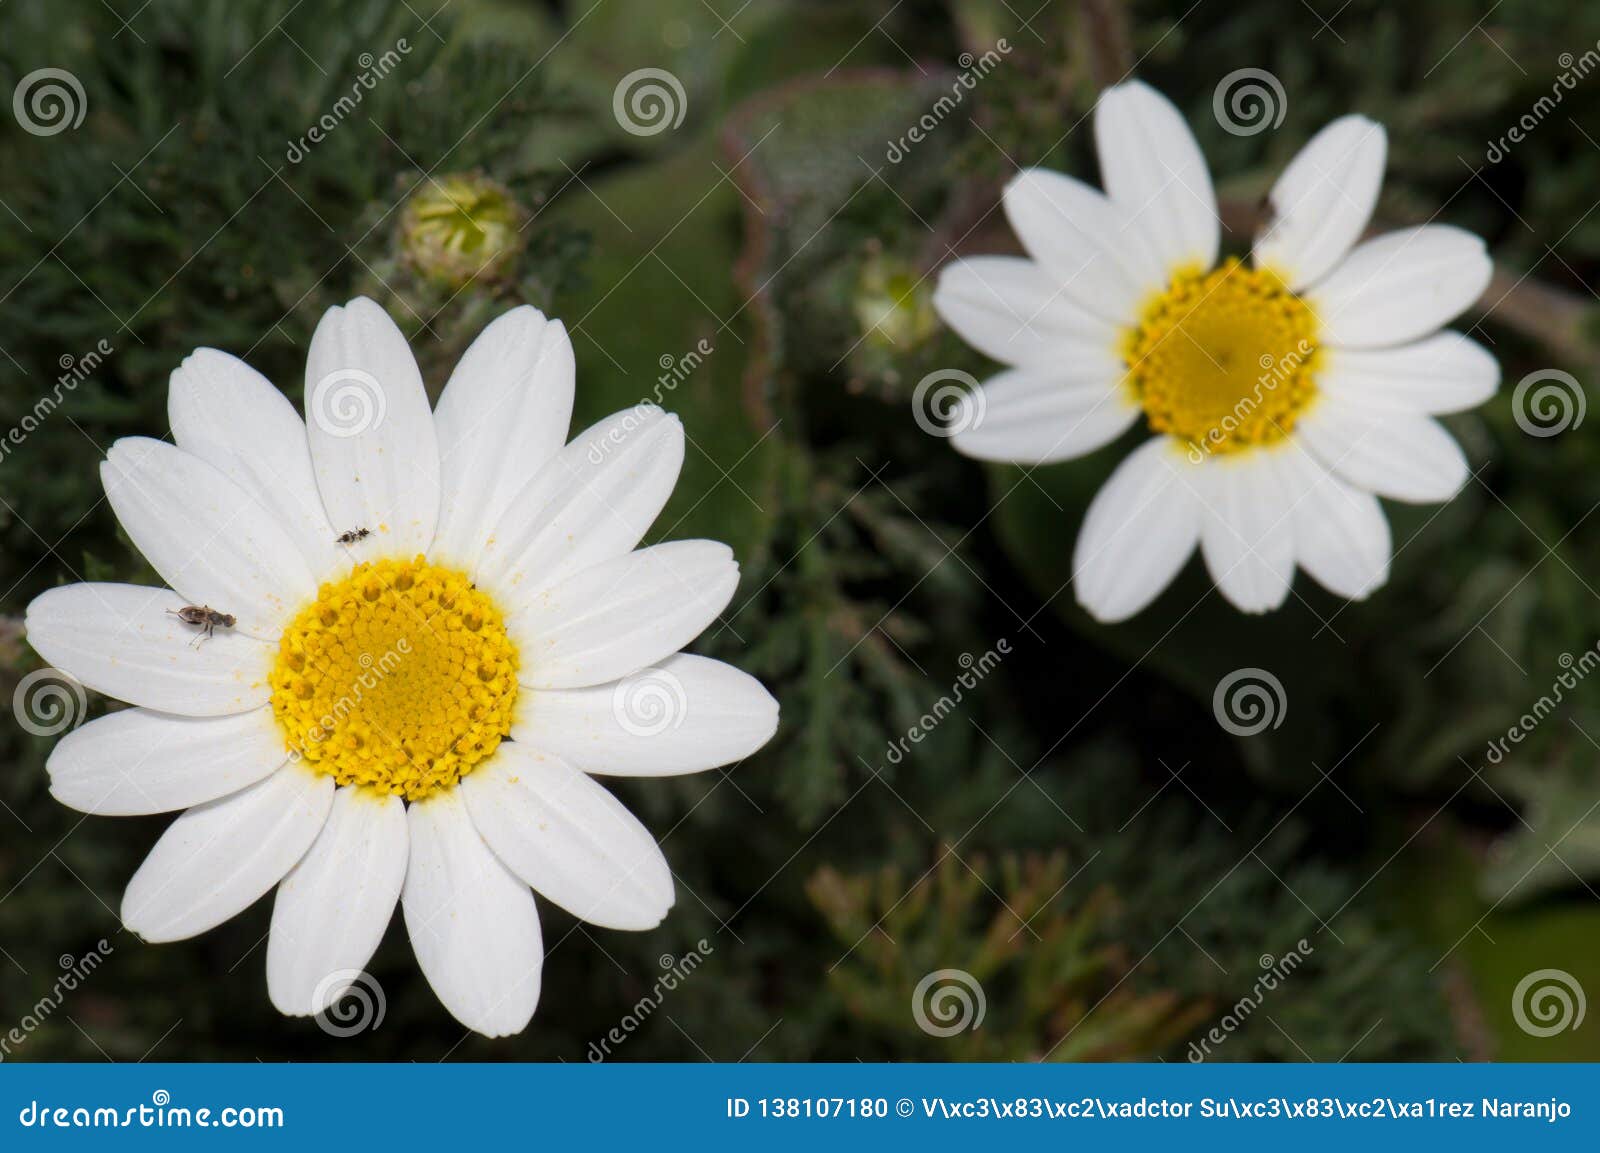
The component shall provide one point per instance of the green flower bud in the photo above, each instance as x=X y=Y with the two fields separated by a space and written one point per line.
x=893 y=305
x=462 y=228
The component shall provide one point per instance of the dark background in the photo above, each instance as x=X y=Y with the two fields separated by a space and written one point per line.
x=1079 y=833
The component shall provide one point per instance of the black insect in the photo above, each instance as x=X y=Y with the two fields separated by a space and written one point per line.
x=1267 y=217
x=353 y=535
x=207 y=619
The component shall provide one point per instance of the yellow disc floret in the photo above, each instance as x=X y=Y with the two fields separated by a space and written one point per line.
x=1223 y=360
x=399 y=677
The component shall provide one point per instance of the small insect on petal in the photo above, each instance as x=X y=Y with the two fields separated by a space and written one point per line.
x=205 y=618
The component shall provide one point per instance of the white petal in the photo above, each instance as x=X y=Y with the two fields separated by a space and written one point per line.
x=135 y=762
x=230 y=416
x=500 y=419
x=1140 y=529
x=1401 y=286
x=1402 y=455
x=1081 y=238
x=1247 y=537
x=472 y=923
x=1153 y=170
x=687 y=714
x=372 y=437
x=219 y=858
x=333 y=907
x=207 y=538
x=1012 y=311
x=1341 y=536
x=592 y=503
x=618 y=617
x=1323 y=200
x=564 y=834
x=123 y=641
x=1039 y=415
x=1446 y=372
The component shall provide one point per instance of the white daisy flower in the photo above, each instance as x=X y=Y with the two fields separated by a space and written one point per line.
x=434 y=627
x=1285 y=395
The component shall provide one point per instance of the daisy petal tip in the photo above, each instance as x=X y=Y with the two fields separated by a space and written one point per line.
x=1257 y=605
x=354 y=313
x=148 y=934
x=497 y=1030
x=364 y=304
x=1103 y=605
x=943 y=283
x=61 y=797
x=1482 y=270
x=1366 y=592
x=764 y=715
x=647 y=415
x=1021 y=181
x=655 y=902
x=193 y=366
x=1371 y=129
x=1132 y=87
x=135 y=914
x=502 y=1017
x=963 y=444
x=771 y=710
x=528 y=315
x=1136 y=97
x=287 y=1006
x=204 y=355
x=118 y=452
x=287 y=991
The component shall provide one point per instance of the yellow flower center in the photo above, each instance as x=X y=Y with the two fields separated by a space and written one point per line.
x=1223 y=360
x=400 y=678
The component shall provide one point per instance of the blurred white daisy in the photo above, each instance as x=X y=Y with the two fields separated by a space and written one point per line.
x=1285 y=395
x=440 y=627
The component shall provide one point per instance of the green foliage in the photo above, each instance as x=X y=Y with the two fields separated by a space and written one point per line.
x=1083 y=780
x=965 y=931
